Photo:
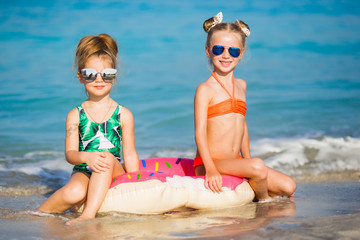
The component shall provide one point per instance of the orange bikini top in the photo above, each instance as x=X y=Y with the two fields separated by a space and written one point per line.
x=231 y=105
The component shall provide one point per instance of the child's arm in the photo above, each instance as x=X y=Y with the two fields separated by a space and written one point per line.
x=213 y=179
x=245 y=146
x=131 y=158
x=93 y=159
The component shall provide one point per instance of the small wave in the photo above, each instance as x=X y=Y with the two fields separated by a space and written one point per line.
x=47 y=164
x=44 y=214
x=310 y=156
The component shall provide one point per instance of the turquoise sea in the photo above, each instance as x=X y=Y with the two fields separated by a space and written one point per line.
x=302 y=67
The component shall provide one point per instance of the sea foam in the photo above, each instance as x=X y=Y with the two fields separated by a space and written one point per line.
x=309 y=156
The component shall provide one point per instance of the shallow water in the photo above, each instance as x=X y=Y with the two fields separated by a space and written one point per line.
x=312 y=201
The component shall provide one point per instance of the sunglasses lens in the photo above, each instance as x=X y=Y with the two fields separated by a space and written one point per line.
x=234 y=51
x=108 y=74
x=217 y=49
x=88 y=74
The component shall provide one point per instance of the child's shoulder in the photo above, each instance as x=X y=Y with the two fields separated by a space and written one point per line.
x=207 y=86
x=127 y=117
x=241 y=82
x=73 y=115
x=124 y=110
x=75 y=112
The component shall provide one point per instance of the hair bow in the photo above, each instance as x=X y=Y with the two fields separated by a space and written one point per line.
x=244 y=28
x=217 y=19
x=246 y=31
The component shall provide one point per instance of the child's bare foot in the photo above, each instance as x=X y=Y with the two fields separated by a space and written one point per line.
x=264 y=200
x=78 y=220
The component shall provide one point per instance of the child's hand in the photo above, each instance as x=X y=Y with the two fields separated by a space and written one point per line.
x=99 y=161
x=213 y=181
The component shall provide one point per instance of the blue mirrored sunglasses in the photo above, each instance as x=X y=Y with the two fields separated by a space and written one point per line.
x=90 y=74
x=233 y=51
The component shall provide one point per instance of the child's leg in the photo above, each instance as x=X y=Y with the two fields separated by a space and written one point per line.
x=98 y=186
x=280 y=184
x=252 y=168
x=67 y=196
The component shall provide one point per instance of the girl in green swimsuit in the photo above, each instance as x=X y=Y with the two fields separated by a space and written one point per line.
x=95 y=131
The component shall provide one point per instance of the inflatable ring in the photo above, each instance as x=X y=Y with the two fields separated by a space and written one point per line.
x=165 y=184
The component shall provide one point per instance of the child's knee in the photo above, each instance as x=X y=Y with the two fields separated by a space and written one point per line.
x=259 y=168
x=74 y=193
x=110 y=159
x=289 y=187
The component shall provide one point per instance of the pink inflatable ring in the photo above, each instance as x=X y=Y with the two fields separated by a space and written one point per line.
x=165 y=184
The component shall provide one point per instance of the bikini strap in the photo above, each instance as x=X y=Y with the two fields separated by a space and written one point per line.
x=222 y=85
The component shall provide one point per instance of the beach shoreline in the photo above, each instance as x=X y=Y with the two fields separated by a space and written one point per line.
x=317 y=210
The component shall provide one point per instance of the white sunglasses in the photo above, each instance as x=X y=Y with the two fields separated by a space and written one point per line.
x=90 y=74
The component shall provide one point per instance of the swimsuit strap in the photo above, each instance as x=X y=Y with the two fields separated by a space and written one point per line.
x=222 y=85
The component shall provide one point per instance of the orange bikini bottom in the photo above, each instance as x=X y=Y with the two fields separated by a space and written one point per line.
x=198 y=161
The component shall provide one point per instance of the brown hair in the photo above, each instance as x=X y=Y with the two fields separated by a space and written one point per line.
x=102 y=45
x=211 y=26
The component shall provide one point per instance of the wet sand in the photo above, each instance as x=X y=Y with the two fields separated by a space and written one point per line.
x=331 y=227
x=317 y=211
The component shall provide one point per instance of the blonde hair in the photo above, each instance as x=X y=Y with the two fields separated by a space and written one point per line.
x=211 y=26
x=102 y=45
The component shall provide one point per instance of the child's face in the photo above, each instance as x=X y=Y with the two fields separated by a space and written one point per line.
x=98 y=87
x=225 y=62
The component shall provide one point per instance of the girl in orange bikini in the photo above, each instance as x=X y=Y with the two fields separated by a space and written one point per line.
x=221 y=132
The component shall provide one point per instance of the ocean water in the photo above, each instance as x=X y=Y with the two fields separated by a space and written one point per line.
x=302 y=67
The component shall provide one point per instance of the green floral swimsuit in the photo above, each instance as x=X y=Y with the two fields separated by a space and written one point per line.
x=99 y=137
